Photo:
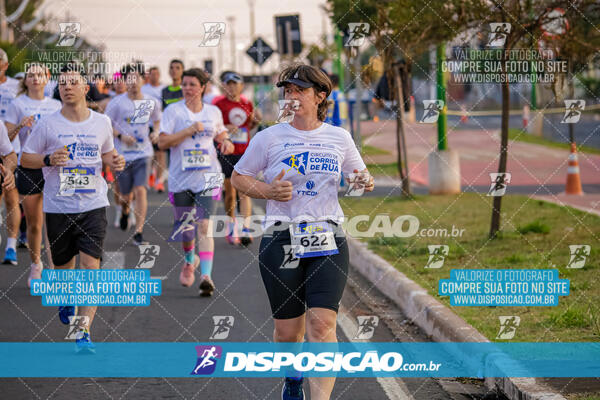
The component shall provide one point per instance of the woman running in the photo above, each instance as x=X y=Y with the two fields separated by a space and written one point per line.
x=188 y=128
x=302 y=162
x=22 y=115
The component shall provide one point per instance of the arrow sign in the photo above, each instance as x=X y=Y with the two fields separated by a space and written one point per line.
x=259 y=51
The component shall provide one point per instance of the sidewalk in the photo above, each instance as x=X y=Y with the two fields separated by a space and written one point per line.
x=529 y=164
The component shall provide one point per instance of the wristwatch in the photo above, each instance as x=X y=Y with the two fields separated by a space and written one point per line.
x=119 y=136
x=47 y=160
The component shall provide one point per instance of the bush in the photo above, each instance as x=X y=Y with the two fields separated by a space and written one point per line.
x=536 y=226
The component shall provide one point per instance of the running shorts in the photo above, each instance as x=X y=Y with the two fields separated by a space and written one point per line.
x=71 y=233
x=29 y=181
x=228 y=162
x=315 y=282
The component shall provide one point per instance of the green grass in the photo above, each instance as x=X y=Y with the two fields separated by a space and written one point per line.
x=548 y=230
x=584 y=396
x=390 y=169
x=535 y=226
x=521 y=136
x=368 y=150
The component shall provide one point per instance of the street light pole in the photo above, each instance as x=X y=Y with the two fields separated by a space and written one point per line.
x=441 y=95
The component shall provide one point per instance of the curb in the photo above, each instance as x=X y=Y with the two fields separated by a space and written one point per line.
x=437 y=320
x=564 y=204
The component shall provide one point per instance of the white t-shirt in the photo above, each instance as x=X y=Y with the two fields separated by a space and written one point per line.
x=86 y=142
x=313 y=161
x=154 y=91
x=134 y=118
x=8 y=92
x=177 y=117
x=49 y=88
x=24 y=106
x=5 y=145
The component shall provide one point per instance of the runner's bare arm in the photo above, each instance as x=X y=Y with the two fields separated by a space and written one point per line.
x=114 y=160
x=13 y=129
x=277 y=190
x=225 y=144
x=35 y=161
x=10 y=161
x=126 y=139
x=166 y=141
x=154 y=134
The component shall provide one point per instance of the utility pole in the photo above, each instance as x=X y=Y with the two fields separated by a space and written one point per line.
x=338 y=57
x=358 y=99
x=441 y=95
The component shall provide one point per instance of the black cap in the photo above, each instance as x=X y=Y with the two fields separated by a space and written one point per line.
x=296 y=81
x=232 y=76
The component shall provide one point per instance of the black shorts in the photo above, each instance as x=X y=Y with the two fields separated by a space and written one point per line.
x=315 y=282
x=227 y=163
x=71 y=233
x=29 y=181
x=205 y=205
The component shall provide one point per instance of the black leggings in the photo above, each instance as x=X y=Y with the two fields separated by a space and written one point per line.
x=313 y=282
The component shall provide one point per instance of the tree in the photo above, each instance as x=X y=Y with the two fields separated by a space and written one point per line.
x=527 y=19
x=400 y=31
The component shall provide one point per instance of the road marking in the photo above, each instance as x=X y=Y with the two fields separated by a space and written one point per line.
x=113 y=259
x=394 y=388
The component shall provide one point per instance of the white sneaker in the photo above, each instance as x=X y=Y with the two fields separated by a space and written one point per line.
x=34 y=273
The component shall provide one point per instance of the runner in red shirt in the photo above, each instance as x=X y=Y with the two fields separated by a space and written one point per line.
x=238 y=116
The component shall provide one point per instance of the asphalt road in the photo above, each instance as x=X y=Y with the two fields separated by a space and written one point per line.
x=179 y=315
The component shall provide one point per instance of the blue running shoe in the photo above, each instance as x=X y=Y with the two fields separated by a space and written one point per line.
x=64 y=312
x=245 y=239
x=292 y=389
x=22 y=240
x=10 y=257
x=84 y=343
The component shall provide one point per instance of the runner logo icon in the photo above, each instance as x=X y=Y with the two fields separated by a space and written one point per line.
x=573 y=109
x=366 y=326
x=207 y=359
x=297 y=162
x=437 y=255
x=148 y=255
x=68 y=33
x=223 y=324
x=499 y=33
x=71 y=149
x=142 y=111
x=579 y=253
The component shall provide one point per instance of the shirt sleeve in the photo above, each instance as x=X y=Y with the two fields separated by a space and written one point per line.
x=12 y=114
x=156 y=113
x=254 y=159
x=219 y=124
x=167 y=122
x=108 y=144
x=352 y=158
x=111 y=109
x=5 y=145
x=37 y=140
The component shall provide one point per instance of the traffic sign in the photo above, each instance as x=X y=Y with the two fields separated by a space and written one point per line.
x=259 y=51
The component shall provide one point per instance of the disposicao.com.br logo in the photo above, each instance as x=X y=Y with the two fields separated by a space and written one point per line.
x=341 y=363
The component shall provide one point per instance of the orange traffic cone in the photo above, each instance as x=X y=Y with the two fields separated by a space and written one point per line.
x=464 y=117
x=573 y=178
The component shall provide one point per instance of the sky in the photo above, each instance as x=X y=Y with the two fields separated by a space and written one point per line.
x=159 y=30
